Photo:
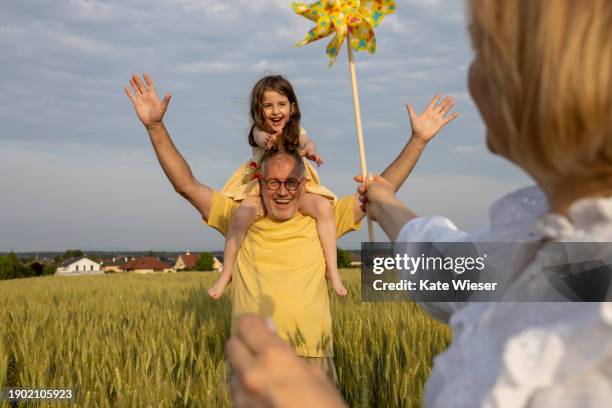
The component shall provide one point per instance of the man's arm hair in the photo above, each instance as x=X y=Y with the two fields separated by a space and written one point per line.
x=357 y=213
x=178 y=171
x=399 y=169
x=397 y=172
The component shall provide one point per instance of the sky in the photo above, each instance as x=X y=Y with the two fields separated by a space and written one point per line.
x=76 y=166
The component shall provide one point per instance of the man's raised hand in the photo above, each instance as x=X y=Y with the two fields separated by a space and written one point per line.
x=149 y=108
x=427 y=124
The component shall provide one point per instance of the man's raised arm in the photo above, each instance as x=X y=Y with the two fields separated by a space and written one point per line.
x=150 y=110
x=424 y=127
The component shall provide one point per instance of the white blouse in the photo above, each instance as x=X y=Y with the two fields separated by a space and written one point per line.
x=510 y=354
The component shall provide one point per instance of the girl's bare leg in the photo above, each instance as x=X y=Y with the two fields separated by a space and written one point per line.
x=249 y=211
x=320 y=208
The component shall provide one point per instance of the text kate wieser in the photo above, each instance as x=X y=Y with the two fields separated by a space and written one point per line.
x=428 y=285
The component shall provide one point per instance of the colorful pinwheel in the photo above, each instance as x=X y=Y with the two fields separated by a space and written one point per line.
x=355 y=20
x=355 y=17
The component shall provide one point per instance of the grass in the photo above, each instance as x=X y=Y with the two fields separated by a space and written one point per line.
x=158 y=340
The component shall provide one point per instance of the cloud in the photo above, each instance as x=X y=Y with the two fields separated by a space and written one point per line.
x=207 y=67
x=232 y=10
x=272 y=66
x=441 y=10
x=91 y=10
x=460 y=96
x=295 y=32
x=469 y=149
x=77 y=195
x=82 y=43
x=212 y=7
x=26 y=40
x=396 y=25
x=217 y=67
x=11 y=31
x=383 y=125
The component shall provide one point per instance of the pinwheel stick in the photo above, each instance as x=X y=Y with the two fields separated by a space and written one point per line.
x=362 y=155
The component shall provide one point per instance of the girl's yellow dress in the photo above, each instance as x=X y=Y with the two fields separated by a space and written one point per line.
x=245 y=181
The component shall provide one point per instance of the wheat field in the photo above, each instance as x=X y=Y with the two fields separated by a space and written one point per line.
x=158 y=341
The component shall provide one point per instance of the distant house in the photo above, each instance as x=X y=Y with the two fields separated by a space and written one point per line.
x=78 y=266
x=187 y=260
x=217 y=264
x=147 y=264
x=167 y=259
x=114 y=264
x=355 y=259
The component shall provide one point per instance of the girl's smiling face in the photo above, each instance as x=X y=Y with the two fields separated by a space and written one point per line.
x=276 y=110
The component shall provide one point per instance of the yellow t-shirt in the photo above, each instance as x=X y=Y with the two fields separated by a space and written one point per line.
x=280 y=273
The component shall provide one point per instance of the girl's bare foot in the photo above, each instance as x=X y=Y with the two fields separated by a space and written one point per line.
x=217 y=289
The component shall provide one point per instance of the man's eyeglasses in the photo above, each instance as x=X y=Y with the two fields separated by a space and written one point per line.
x=274 y=184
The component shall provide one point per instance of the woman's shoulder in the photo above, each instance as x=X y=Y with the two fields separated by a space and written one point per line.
x=588 y=220
x=520 y=207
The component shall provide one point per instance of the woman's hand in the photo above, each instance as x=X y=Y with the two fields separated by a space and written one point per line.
x=426 y=125
x=376 y=190
x=149 y=108
x=268 y=373
x=378 y=196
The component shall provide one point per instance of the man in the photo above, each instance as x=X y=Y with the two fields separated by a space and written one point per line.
x=280 y=268
x=269 y=374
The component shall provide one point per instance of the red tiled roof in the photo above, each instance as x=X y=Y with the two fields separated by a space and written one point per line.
x=110 y=262
x=146 y=262
x=189 y=259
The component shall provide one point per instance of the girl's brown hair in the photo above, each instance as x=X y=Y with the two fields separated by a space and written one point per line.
x=291 y=132
x=549 y=65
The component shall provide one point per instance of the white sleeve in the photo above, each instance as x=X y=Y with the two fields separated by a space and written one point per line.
x=433 y=229
x=563 y=361
x=430 y=229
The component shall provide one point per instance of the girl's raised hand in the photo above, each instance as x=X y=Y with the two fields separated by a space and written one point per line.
x=264 y=139
x=315 y=158
x=149 y=108
x=310 y=153
x=427 y=124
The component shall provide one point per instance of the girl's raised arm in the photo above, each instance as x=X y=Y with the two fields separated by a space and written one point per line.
x=263 y=139
x=308 y=148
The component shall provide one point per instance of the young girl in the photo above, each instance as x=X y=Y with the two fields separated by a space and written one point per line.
x=276 y=124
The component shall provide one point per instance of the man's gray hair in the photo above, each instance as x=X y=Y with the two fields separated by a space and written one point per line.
x=270 y=154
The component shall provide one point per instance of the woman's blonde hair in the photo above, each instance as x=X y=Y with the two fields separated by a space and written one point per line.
x=548 y=63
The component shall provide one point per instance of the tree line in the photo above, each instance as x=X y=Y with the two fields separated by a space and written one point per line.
x=11 y=267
